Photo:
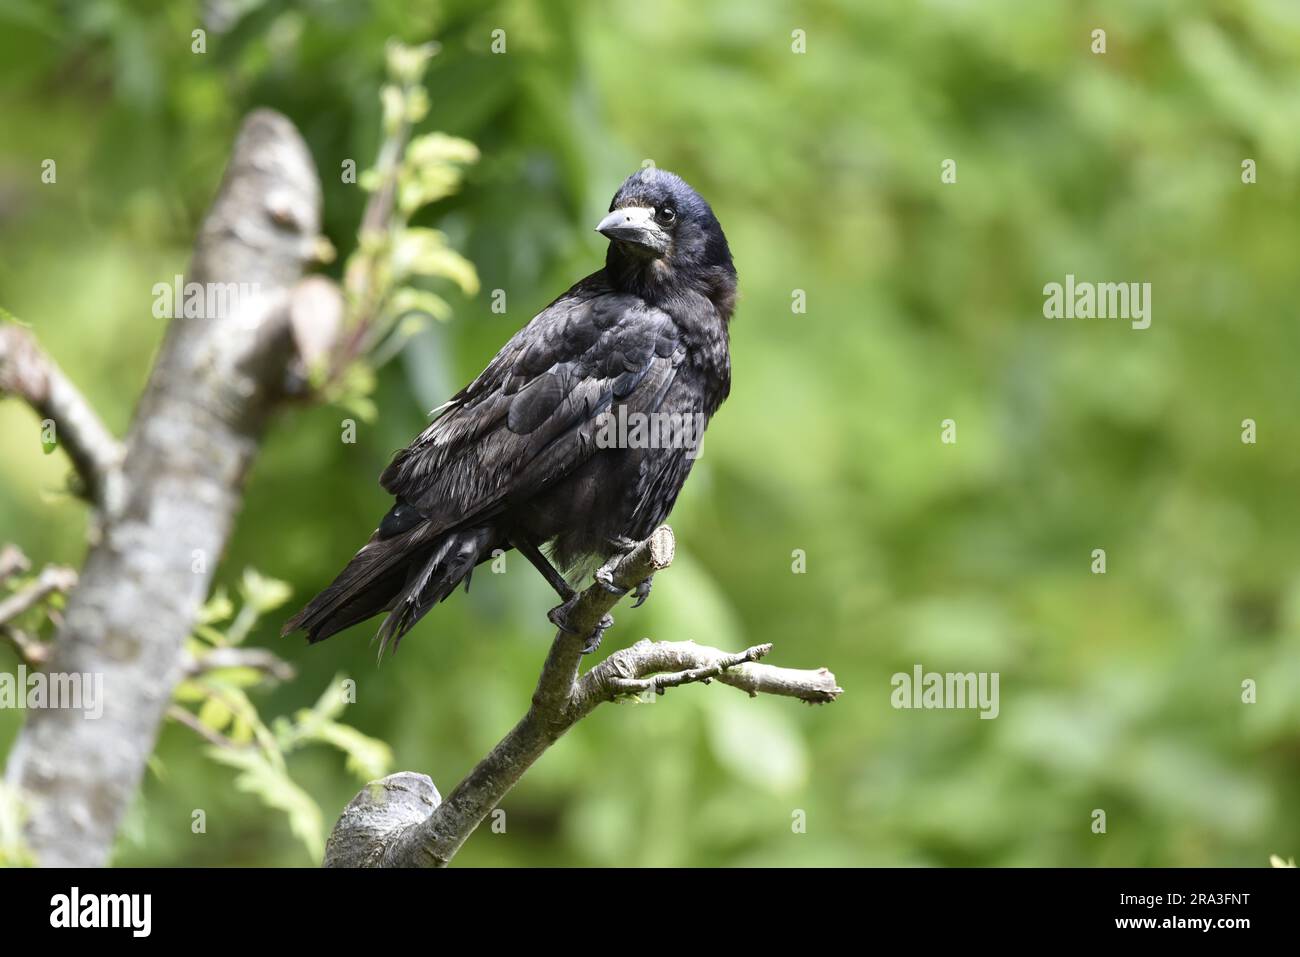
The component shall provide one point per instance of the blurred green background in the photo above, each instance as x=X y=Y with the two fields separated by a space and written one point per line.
x=1119 y=691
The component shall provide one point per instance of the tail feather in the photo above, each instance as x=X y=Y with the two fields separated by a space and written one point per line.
x=365 y=587
x=447 y=565
x=406 y=574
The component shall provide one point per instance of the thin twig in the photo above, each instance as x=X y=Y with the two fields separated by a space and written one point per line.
x=659 y=682
x=190 y=720
x=31 y=375
x=53 y=578
x=657 y=665
x=377 y=229
x=31 y=650
x=12 y=562
x=258 y=659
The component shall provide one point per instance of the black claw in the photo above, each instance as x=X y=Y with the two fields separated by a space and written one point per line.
x=642 y=592
x=559 y=617
x=594 y=641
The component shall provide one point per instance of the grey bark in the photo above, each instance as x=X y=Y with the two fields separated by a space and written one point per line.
x=400 y=821
x=194 y=434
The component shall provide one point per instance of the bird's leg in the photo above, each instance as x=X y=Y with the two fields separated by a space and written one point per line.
x=622 y=544
x=559 y=615
x=531 y=552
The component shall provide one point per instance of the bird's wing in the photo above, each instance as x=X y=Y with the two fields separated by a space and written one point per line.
x=531 y=417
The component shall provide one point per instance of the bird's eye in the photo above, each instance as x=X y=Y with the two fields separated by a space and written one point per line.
x=666 y=216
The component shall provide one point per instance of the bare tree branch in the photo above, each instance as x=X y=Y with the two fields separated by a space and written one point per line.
x=401 y=821
x=259 y=659
x=30 y=649
x=190 y=720
x=12 y=562
x=31 y=375
x=657 y=665
x=52 y=579
x=214 y=386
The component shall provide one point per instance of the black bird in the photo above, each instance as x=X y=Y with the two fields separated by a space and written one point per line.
x=516 y=458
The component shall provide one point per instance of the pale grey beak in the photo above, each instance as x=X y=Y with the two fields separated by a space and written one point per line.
x=636 y=226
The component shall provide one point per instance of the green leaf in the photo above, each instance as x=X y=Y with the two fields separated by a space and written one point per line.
x=354 y=392
x=241 y=731
x=408 y=300
x=406 y=63
x=217 y=608
x=333 y=702
x=368 y=758
x=439 y=149
x=394 y=108
x=430 y=170
x=424 y=252
x=273 y=786
x=330 y=705
x=215 y=714
x=263 y=593
x=411 y=325
x=188 y=692
x=360 y=406
x=211 y=635
x=242 y=706
x=239 y=676
x=417 y=105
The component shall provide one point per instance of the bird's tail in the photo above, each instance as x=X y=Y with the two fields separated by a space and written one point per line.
x=405 y=575
x=450 y=562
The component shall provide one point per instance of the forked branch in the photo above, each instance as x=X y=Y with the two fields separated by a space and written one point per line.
x=401 y=820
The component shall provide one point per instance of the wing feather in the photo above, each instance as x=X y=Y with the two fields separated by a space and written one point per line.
x=530 y=418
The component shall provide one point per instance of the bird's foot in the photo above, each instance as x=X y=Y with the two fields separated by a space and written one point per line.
x=594 y=639
x=605 y=578
x=559 y=617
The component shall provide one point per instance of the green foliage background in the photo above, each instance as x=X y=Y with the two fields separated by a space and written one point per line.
x=1120 y=692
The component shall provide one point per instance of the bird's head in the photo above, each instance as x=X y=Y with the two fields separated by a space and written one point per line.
x=663 y=235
